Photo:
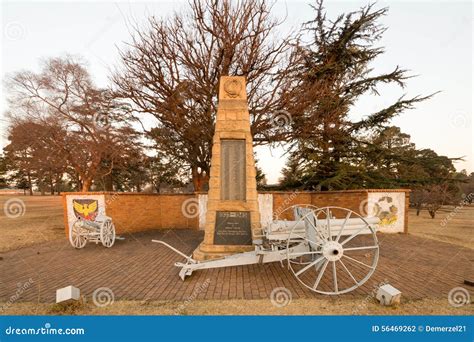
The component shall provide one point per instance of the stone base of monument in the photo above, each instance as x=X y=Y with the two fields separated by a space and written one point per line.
x=211 y=252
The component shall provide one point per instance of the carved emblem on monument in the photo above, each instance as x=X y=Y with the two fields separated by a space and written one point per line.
x=232 y=88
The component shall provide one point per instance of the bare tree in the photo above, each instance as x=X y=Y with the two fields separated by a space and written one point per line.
x=86 y=124
x=172 y=67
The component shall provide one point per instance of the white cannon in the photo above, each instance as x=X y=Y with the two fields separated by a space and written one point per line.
x=100 y=230
x=330 y=250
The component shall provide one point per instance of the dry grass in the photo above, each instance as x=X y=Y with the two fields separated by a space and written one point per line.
x=246 y=307
x=448 y=226
x=42 y=221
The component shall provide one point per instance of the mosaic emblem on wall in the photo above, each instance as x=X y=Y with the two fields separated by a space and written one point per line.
x=386 y=210
x=389 y=207
x=84 y=207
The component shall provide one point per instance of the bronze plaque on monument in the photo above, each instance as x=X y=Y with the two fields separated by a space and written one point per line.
x=233 y=156
x=232 y=228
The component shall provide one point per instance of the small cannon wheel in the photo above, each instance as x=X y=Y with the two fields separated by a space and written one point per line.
x=340 y=256
x=107 y=233
x=77 y=238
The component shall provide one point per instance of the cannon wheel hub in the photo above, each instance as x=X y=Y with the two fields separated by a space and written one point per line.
x=333 y=250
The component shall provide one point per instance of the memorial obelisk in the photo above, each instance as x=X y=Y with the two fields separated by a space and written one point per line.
x=232 y=218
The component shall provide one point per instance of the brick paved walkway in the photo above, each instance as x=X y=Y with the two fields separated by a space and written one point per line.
x=137 y=269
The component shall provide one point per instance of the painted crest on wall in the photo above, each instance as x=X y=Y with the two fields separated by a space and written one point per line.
x=389 y=207
x=85 y=207
x=386 y=210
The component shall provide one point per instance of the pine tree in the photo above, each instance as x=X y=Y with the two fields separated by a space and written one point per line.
x=329 y=74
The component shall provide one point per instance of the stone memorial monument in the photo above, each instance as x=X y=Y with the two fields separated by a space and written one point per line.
x=232 y=219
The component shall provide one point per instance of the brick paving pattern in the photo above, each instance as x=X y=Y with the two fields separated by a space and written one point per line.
x=137 y=269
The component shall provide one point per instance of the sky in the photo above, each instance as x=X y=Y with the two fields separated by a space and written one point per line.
x=432 y=39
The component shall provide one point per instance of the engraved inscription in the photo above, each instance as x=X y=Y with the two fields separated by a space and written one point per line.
x=233 y=184
x=232 y=228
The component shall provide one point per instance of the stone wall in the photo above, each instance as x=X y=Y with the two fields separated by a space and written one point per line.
x=353 y=200
x=391 y=205
x=133 y=212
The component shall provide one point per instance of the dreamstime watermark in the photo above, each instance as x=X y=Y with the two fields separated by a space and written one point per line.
x=111 y=199
x=458 y=297
x=14 y=208
x=101 y=120
x=190 y=208
x=284 y=205
x=281 y=297
x=14 y=31
x=197 y=290
x=384 y=204
x=281 y=119
x=466 y=200
x=102 y=297
x=459 y=119
x=369 y=207
x=21 y=287
x=46 y=330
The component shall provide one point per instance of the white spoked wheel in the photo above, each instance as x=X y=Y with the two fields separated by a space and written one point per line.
x=107 y=233
x=342 y=251
x=77 y=235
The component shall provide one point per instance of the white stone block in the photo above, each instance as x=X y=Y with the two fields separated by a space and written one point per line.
x=67 y=294
x=265 y=206
x=388 y=295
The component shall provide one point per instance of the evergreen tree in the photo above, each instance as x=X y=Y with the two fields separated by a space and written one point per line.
x=328 y=75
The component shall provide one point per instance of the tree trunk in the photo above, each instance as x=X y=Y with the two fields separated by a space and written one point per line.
x=57 y=183
x=87 y=177
x=200 y=179
x=86 y=184
x=418 y=208
x=51 y=185
x=109 y=182
x=432 y=210
x=29 y=184
x=79 y=182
